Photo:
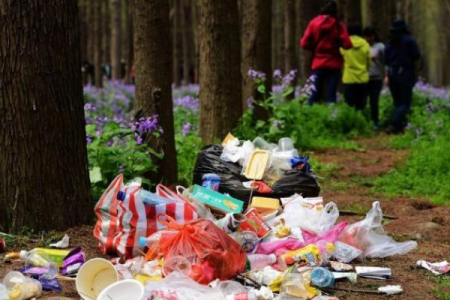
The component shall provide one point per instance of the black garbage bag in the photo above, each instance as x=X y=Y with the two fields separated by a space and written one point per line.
x=294 y=181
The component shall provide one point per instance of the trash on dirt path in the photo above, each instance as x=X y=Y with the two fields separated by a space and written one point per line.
x=374 y=272
x=73 y=261
x=391 y=289
x=94 y=276
x=126 y=289
x=40 y=257
x=20 y=287
x=62 y=244
x=340 y=267
x=438 y=268
x=351 y=276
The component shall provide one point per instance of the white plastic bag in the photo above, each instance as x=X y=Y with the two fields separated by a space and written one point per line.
x=312 y=218
x=369 y=236
x=234 y=153
x=180 y=287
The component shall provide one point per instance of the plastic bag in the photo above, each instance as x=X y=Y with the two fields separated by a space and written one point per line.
x=177 y=286
x=231 y=179
x=234 y=153
x=300 y=213
x=212 y=253
x=369 y=236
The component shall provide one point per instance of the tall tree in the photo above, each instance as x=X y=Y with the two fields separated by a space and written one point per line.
x=98 y=43
x=194 y=25
x=256 y=49
x=153 y=76
x=90 y=32
x=220 y=74
x=290 y=63
x=185 y=11
x=83 y=14
x=116 y=39
x=106 y=23
x=43 y=158
x=175 y=14
x=351 y=10
x=129 y=33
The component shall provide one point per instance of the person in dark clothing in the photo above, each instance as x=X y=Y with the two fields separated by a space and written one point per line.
x=401 y=54
x=88 y=71
x=324 y=36
x=376 y=72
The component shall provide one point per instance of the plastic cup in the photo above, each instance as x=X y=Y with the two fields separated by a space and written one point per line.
x=94 y=276
x=176 y=263
x=129 y=289
x=248 y=240
x=21 y=287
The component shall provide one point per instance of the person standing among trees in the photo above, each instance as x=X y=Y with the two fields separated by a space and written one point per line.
x=376 y=72
x=356 y=69
x=401 y=54
x=324 y=36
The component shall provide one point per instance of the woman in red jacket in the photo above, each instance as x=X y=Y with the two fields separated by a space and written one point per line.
x=324 y=36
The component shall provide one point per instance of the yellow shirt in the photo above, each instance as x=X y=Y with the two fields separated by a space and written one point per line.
x=357 y=61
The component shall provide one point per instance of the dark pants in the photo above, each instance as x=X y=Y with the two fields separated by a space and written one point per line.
x=402 y=91
x=374 y=89
x=332 y=78
x=356 y=95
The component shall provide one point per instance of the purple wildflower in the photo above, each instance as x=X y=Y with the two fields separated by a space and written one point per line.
x=121 y=169
x=88 y=140
x=255 y=74
x=186 y=129
x=276 y=123
x=277 y=74
x=250 y=101
x=90 y=106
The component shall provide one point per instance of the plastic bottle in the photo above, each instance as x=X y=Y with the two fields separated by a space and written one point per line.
x=260 y=143
x=146 y=197
x=259 y=261
x=211 y=181
x=242 y=296
x=322 y=277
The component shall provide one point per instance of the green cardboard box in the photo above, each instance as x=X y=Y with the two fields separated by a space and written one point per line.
x=217 y=200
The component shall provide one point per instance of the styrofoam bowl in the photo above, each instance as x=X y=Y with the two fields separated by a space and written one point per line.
x=129 y=289
x=94 y=276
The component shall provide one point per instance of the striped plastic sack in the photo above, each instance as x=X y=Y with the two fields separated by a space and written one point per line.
x=138 y=219
x=107 y=224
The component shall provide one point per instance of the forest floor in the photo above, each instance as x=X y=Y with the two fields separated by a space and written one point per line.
x=348 y=183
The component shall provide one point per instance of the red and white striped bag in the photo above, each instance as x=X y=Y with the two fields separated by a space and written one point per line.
x=107 y=224
x=137 y=220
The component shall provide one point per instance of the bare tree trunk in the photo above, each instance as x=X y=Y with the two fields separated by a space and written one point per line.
x=194 y=11
x=90 y=30
x=106 y=23
x=175 y=44
x=220 y=74
x=116 y=40
x=256 y=50
x=83 y=15
x=186 y=37
x=153 y=77
x=44 y=169
x=98 y=44
x=129 y=13
x=289 y=40
x=278 y=36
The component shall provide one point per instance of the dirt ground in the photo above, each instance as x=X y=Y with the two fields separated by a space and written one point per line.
x=349 y=186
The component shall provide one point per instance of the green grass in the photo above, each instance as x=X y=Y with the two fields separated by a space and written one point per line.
x=442 y=288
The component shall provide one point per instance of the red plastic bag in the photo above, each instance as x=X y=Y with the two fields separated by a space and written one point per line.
x=212 y=252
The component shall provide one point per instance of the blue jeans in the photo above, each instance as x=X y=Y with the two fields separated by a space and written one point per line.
x=332 y=78
x=402 y=93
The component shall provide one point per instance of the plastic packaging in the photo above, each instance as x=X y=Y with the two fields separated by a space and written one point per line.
x=314 y=219
x=260 y=143
x=248 y=240
x=286 y=144
x=438 y=268
x=295 y=287
x=211 y=181
x=345 y=253
x=126 y=289
x=3 y=292
x=265 y=276
x=21 y=287
x=180 y=287
x=369 y=236
x=311 y=255
x=242 y=296
x=176 y=263
x=146 y=197
x=212 y=253
x=73 y=262
x=259 y=261
x=38 y=258
x=321 y=277
x=231 y=222
x=54 y=255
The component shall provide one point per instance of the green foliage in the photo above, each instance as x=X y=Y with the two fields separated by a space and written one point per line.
x=427 y=170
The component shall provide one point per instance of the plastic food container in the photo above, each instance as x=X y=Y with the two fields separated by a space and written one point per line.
x=257 y=165
x=21 y=287
x=129 y=289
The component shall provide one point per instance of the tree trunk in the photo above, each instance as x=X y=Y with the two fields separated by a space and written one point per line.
x=186 y=37
x=106 y=23
x=43 y=158
x=90 y=30
x=352 y=10
x=82 y=12
x=115 y=40
x=194 y=11
x=129 y=13
x=175 y=35
x=289 y=40
x=278 y=36
x=220 y=75
x=256 y=50
x=153 y=76
x=98 y=43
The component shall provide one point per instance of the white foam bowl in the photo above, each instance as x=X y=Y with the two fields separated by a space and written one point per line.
x=129 y=289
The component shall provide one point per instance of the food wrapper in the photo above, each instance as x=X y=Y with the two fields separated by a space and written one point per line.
x=73 y=261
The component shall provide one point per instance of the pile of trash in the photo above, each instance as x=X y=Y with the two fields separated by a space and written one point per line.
x=252 y=227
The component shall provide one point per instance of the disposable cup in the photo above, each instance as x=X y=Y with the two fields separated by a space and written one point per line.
x=95 y=276
x=123 y=290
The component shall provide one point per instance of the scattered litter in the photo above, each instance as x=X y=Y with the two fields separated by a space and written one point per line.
x=62 y=244
x=438 y=268
x=391 y=289
x=374 y=272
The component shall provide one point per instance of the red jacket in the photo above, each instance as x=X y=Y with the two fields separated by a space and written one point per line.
x=324 y=36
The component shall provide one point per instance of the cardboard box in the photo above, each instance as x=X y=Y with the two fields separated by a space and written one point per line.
x=265 y=205
x=217 y=200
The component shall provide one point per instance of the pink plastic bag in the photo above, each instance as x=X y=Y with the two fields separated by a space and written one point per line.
x=284 y=246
